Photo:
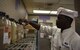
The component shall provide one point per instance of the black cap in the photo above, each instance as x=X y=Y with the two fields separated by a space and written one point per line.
x=17 y=22
x=21 y=20
x=11 y=19
x=2 y=13
x=7 y=16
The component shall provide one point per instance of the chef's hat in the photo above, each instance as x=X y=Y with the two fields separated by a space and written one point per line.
x=67 y=12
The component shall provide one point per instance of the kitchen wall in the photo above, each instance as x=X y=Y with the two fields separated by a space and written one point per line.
x=14 y=8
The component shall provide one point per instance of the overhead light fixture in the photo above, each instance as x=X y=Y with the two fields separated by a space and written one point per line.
x=53 y=12
x=41 y=11
x=44 y=12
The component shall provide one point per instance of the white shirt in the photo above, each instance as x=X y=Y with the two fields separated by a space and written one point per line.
x=67 y=40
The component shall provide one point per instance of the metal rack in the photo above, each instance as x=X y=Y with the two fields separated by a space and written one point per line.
x=24 y=44
x=29 y=43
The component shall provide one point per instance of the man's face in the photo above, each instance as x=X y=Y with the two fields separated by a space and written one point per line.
x=61 y=21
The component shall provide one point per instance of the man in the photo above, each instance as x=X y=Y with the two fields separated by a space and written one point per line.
x=67 y=39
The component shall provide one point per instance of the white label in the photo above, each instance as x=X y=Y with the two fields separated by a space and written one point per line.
x=41 y=35
x=5 y=38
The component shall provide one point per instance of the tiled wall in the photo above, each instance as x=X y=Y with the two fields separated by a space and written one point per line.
x=12 y=8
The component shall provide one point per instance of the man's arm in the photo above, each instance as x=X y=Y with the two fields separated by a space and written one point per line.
x=35 y=25
x=44 y=29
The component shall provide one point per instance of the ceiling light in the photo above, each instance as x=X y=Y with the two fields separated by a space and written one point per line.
x=53 y=12
x=41 y=11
